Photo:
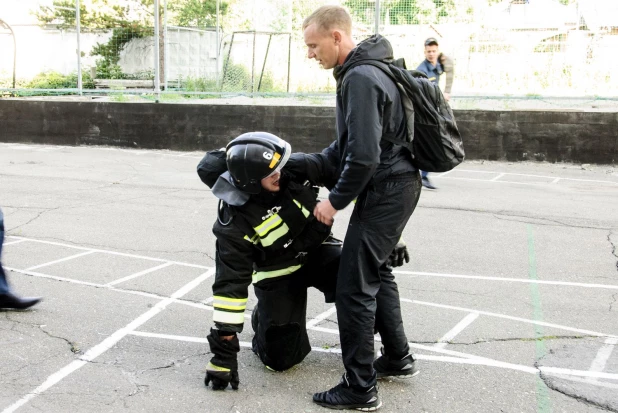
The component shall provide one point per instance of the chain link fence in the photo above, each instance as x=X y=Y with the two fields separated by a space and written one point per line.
x=544 y=53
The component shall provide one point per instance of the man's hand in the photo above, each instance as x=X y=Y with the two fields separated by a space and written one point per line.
x=399 y=254
x=325 y=212
x=223 y=367
x=447 y=96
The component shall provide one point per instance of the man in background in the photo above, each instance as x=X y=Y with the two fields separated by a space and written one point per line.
x=434 y=65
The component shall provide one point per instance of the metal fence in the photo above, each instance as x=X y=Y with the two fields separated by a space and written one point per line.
x=533 y=50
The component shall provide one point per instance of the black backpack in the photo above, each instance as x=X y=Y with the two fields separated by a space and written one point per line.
x=433 y=138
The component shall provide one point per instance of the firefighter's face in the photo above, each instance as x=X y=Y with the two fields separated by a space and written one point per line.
x=271 y=182
x=431 y=53
x=323 y=46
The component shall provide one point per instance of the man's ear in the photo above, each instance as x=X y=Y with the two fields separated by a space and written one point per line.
x=337 y=36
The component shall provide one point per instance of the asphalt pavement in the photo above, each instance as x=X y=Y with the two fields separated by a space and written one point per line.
x=510 y=299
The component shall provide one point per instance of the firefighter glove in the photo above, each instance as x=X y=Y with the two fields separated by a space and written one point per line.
x=399 y=254
x=223 y=366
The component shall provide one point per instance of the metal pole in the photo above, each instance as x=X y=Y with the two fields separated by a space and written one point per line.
x=270 y=36
x=157 y=81
x=5 y=25
x=289 y=58
x=166 y=40
x=226 y=62
x=79 y=50
x=377 y=18
x=253 y=64
x=218 y=44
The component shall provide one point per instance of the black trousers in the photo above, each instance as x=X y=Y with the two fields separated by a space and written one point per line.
x=281 y=339
x=367 y=293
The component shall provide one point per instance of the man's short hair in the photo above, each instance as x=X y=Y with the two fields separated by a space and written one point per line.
x=432 y=41
x=330 y=17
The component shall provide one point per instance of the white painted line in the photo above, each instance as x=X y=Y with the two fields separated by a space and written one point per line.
x=440 y=175
x=599 y=362
x=496 y=182
x=245 y=344
x=593 y=381
x=122 y=254
x=517 y=280
x=508 y=317
x=13 y=242
x=465 y=322
x=108 y=343
x=208 y=300
x=81 y=254
x=325 y=330
x=467 y=358
x=539 y=176
x=53 y=277
x=555 y=181
x=579 y=373
x=170 y=337
x=321 y=317
x=496 y=177
x=139 y=274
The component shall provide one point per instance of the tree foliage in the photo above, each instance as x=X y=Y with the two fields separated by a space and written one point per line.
x=128 y=19
x=398 y=12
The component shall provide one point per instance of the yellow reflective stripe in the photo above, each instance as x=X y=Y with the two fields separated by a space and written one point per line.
x=275 y=235
x=228 y=318
x=265 y=226
x=262 y=275
x=211 y=367
x=230 y=303
x=253 y=239
x=273 y=162
x=229 y=299
x=302 y=208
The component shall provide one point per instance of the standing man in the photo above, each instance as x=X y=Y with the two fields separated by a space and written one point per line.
x=380 y=176
x=433 y=66
x=8 y=300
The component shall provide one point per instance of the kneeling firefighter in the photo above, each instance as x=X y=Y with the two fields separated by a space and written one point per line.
x=266 y=234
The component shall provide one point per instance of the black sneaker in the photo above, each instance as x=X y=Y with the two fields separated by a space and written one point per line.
x=427 y=184
x=403 y=368
x=342 y=396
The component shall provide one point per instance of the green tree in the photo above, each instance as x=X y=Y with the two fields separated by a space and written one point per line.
x=128 y=19
x=398 y=12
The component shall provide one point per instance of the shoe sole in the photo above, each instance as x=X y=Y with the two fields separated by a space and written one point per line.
x=358 y=407
x=398 y=376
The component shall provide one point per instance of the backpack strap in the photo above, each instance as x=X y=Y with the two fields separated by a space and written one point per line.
x=386 y=68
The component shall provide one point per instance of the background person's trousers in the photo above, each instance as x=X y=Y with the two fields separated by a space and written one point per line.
x=4 y=286
x=367 y=294
x=281 y=339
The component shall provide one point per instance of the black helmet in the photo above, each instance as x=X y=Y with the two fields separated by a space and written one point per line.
x=253 y=156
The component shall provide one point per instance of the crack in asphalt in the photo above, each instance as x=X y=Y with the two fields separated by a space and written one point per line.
x=522 y=339
x=579 y=398
x=614 y=252
x=524 y=218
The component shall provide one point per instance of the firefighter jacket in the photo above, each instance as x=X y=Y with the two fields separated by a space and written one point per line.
x=264 y=240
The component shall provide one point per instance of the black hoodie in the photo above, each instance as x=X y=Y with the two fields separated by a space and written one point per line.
x=368 y=107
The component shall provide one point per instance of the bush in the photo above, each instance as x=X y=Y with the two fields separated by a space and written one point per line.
x=55 y=80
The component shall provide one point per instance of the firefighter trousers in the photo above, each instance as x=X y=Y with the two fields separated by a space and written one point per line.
x=280 y=318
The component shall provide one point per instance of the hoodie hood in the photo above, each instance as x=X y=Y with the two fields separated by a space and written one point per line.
x=375 y=47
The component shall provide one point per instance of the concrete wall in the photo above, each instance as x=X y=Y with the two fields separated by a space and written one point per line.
x=587 y=137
